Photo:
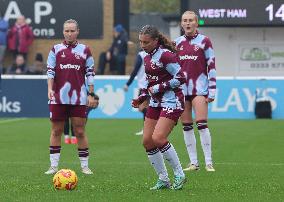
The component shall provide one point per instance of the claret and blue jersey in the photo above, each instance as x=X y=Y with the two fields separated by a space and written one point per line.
x=196 y=56
x=164 y=74
x=69 y=66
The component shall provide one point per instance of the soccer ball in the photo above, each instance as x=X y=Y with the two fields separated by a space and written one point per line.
x=65 y=179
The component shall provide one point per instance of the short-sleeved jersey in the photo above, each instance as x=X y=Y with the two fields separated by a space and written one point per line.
x=164 y=74
x=196 y=57
x=69 y=66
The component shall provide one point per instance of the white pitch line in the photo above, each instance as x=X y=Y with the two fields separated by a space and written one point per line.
x=247 y=164
x=12 y=120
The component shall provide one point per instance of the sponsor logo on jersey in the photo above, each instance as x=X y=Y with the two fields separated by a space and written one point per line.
x=152 y=77
x=188 y=57
x=69 y=66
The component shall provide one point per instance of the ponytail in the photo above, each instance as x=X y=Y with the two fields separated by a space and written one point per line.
x=167 y=43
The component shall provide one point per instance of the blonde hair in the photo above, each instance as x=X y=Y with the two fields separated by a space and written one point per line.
x=191 y=12
x=71 y=21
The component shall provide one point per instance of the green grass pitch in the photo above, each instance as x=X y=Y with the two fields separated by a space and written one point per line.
x=248 y=156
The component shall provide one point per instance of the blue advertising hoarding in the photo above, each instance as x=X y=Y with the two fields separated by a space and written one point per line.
x=235 y=98
x=23 y=96
x=26 y=96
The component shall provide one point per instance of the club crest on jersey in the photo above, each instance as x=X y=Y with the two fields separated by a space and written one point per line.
x=181 y=48
x=63 y=55
x=196 y=48
x=156 y=64
x=77 y=56
x=153 y=66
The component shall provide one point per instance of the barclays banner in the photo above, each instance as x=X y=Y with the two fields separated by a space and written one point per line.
x=46 y=17
x=26 y=96
x=235 y=98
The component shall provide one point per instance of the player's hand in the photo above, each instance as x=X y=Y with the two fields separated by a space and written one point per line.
x=135 y=103
x=208 y=100
x=50 y=95
x=97 y=101
x=91 y=101
x=96 y=104
x=125 y=88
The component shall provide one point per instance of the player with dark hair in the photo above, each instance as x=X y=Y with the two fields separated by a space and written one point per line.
x=163 y=81
x=197 y=60
x=68 y=65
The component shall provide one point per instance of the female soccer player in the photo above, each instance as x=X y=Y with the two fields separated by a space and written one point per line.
x=197 y=60
x=68 y=64
x=163 y=81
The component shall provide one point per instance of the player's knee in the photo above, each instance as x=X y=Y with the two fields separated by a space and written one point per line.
x=56 y=131
x=158 y=139
x=148 y=143
x=79 y=132
x=201 y=124
x=187 y=126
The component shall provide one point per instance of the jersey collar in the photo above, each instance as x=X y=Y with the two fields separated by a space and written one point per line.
x=155 y=50
x=70 y=45
x=192 y=37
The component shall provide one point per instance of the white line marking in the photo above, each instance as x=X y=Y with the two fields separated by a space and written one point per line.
x=12 y=120
x=249 y=164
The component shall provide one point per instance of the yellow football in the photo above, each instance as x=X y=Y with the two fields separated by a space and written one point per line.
x=65 y=179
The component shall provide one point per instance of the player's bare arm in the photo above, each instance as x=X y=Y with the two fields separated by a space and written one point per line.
x=91 y=97
x=50 y=92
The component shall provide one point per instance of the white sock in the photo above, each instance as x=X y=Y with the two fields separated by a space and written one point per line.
x=66 y=136
x=190 y=143
x=171 y=156
x=84 y=157
x=156 y=159
x=54 y=159
x=205 y=139
x=84 y=161
x=54 y=155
